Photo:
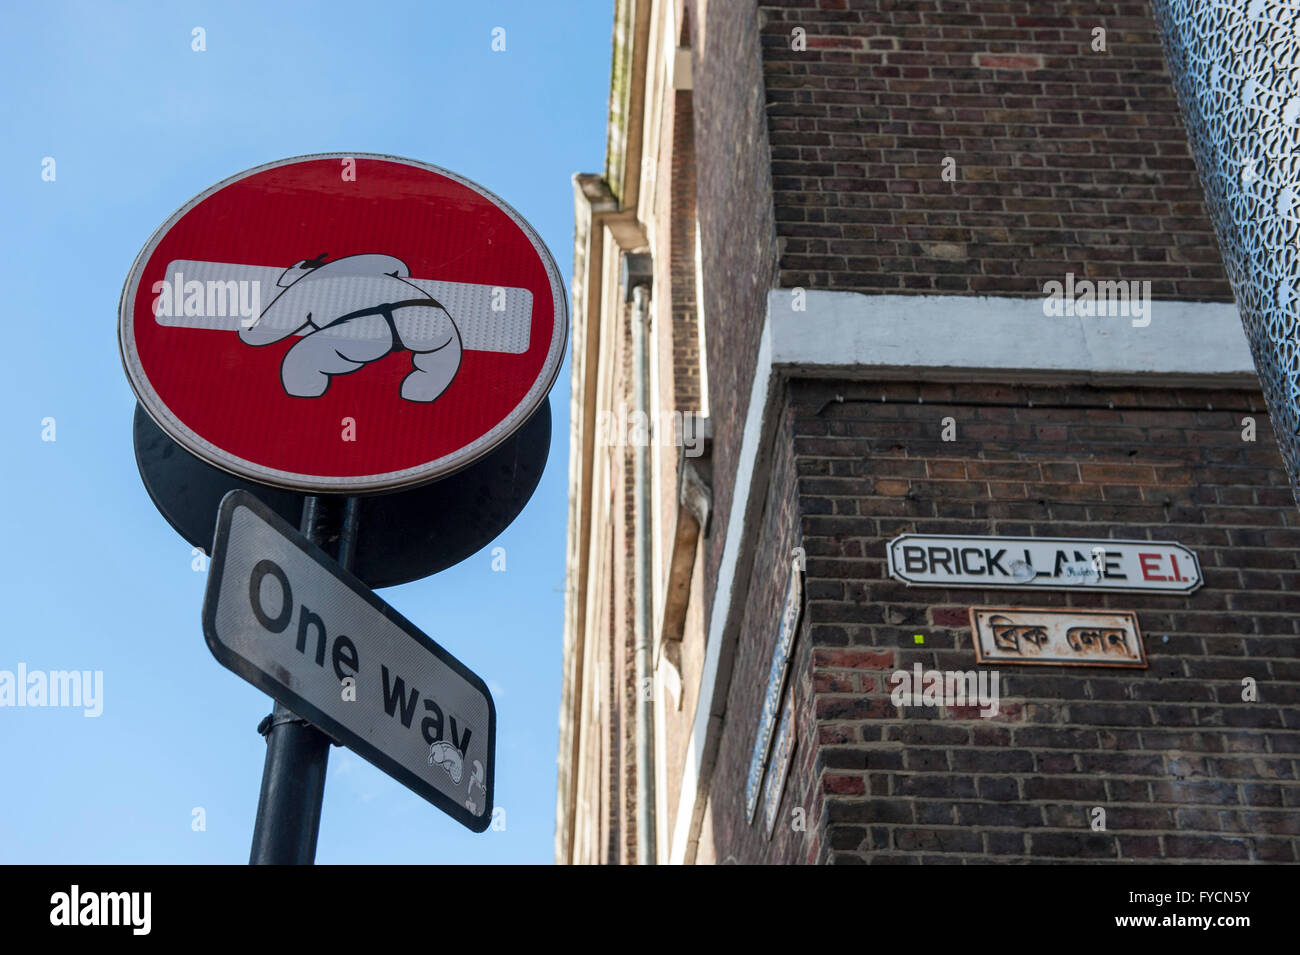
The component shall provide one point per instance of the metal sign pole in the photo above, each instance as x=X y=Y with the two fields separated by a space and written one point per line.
x=297 y=753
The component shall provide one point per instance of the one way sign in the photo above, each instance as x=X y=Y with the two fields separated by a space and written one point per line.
x=288 y=619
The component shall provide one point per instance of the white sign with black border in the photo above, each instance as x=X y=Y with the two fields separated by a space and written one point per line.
x=287 y=618
x=1043 y=563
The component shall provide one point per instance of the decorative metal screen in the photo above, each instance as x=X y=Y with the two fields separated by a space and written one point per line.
x=1236 y=66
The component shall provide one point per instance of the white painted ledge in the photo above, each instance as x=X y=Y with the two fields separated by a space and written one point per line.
x=857 y=335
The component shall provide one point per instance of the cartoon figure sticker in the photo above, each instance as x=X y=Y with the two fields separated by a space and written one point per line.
x=452 y=761
x=354 y=311
x=444 y=754
x=477 y=778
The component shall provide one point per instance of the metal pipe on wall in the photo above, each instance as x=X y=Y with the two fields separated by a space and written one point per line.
x=637 y=274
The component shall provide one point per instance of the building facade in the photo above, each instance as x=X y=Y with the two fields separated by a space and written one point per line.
x=860 y=269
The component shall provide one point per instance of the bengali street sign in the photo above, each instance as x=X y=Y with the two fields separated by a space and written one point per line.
x=1044 y=563
x=1057 y=637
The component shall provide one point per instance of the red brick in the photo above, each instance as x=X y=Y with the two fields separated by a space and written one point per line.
x=1005 y=61
x=950 y=616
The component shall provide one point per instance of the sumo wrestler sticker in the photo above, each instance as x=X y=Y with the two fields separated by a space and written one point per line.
x=354 y=311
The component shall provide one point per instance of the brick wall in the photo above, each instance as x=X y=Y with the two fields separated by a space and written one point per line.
x=734 y=839
x=1067 y=159
x=685 y=338
x=737 y=233
x=822 y=168
x=617 y=693
x=1183 y=767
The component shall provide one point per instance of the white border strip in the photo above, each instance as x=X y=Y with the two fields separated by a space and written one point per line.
x=854 y=335
x=858 y=334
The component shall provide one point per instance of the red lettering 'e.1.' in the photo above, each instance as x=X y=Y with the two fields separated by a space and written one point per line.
x=1145 y=559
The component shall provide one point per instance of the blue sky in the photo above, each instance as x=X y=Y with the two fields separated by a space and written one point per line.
x=93 y=577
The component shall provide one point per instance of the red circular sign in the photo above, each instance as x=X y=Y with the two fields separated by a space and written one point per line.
x=343 y=322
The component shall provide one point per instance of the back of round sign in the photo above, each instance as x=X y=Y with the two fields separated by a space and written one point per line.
x=403 y=536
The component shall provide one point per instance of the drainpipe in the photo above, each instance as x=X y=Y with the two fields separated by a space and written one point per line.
x=636 y=289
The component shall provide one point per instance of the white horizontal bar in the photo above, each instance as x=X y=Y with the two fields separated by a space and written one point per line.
x=470 y=306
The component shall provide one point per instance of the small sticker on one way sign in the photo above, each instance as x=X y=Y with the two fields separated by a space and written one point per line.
x=288 y=619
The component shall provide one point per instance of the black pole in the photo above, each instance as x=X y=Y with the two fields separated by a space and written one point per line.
x=297 y=753
x=348 y=532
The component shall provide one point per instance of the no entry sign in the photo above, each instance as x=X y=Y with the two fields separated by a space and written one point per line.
x=343 y=322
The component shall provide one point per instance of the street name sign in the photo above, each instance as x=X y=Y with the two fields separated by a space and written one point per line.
x=344 y=323
x=288 y=619
x=1043 y=563
x=1051 y=636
